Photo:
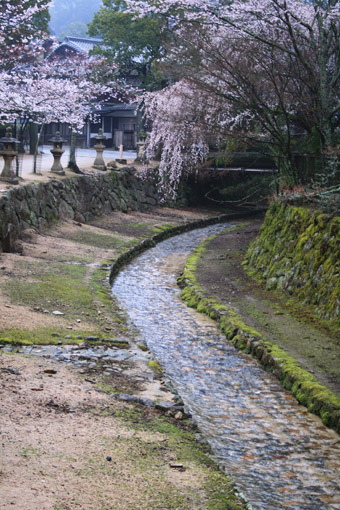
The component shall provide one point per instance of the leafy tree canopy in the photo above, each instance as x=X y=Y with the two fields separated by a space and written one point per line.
x=133 y=44
x=266 y=72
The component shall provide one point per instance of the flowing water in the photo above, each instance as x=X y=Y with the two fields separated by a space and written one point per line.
x=278 y=454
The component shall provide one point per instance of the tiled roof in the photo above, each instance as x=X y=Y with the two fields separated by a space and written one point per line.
x=81 y=44
x=120 y=107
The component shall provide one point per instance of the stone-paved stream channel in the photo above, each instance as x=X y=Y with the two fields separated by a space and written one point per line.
x=278 y=454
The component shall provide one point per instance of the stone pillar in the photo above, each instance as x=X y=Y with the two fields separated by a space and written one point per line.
x=99 y=162
x=57 y=152
x=140 y=151
x=9 y=153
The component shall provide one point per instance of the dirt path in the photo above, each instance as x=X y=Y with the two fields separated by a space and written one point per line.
x=69 y=438
x=221 y=274
x=66 y=446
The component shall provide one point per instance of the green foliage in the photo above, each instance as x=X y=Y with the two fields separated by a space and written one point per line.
x=40 y=20
x=250 y=188
x=17 y=36
x=133 y=44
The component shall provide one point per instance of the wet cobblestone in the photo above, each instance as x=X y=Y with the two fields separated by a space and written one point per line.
x=278 y=454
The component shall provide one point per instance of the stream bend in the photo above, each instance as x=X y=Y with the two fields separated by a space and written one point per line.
x=278 y=454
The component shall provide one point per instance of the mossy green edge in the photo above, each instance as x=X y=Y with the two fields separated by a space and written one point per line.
x=297 y=252
x=304 y=386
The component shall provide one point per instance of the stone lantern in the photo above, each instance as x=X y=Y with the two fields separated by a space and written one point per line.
x=140 y=151
x=9 y=153
x=57 y=152
x=99 y=162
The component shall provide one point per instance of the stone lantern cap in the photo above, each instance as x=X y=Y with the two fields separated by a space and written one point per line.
x=57 y=138
x=8 y=138
x=100 y=135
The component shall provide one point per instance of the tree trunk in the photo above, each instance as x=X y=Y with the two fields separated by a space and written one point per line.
x=33 y=132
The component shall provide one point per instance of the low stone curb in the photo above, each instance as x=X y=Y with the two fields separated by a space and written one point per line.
x=306 y=388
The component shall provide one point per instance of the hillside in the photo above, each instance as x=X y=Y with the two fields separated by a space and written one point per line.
x=64 y=12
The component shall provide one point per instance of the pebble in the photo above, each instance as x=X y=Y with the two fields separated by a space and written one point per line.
x=124 y=397
x=165 y=405
x=10 y=370
x=147 y=402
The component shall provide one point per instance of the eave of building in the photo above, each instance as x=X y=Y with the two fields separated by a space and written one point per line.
x=79 y=44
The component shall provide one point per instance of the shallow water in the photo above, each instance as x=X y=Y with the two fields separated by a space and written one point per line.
x=278 y=454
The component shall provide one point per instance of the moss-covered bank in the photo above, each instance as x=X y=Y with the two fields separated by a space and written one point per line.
x=298 y=251
x=304 y=386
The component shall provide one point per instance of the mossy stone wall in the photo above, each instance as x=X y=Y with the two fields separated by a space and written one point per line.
x=79 y=198
x=298 y=251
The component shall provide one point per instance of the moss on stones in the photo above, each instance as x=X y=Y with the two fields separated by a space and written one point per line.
x=156 y=367
x=46 y=336
x=298 y=251
x=303 y=385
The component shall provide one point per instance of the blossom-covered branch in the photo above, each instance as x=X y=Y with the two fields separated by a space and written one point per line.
x=269 y=68
x=20 y=38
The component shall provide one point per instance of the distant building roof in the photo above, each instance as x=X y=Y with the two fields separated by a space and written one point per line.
x=118 y=109
x=81 y=45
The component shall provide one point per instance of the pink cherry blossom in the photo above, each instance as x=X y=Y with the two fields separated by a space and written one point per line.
x=264 y=70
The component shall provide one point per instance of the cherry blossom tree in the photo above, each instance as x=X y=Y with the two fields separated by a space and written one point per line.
x=264 y=69
x=37 y=90
x=21 y=30
x=48 y=99
x=180 y=115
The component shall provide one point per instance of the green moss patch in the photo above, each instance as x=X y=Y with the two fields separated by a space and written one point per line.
x=45 y=336
x=156 y=367
x=298 y=252
x=64 y=286
x=162 y=228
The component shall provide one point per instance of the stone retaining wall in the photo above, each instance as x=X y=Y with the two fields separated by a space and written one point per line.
x=298 y=251
x=80 y=198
